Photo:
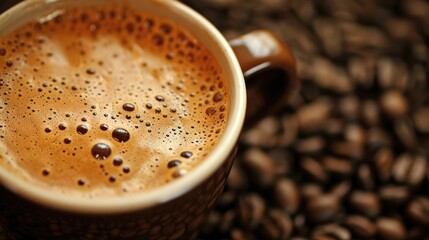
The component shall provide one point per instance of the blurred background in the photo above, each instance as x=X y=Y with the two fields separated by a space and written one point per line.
x=5 y=4
x=347 y=156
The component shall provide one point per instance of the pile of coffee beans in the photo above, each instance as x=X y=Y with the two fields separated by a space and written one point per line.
x=347 y=157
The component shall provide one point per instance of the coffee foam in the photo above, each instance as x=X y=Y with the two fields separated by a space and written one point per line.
x=107 y=101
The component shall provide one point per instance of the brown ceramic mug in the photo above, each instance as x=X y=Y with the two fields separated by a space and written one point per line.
x=175 y=210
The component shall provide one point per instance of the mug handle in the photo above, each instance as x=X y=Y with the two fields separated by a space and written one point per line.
x=269 y=69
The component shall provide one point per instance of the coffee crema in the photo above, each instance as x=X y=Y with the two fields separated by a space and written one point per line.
x=107 y=101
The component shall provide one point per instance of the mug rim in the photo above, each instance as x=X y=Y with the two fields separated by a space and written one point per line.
x=201 y=28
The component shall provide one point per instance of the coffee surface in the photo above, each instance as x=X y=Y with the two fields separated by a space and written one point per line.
x=107 y=101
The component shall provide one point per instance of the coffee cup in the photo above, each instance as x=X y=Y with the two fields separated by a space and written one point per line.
x=121 y=118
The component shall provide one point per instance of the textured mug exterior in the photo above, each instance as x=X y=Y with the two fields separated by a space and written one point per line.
x=180 y=218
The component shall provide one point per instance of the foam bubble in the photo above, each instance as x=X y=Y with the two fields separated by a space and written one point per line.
x=117 y=161
x=104 y=127
x=128 y=107
x=101 y=151
x=121 y=135
x=82 y=129
x=174 y=163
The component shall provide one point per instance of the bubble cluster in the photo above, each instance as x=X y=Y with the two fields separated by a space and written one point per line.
x=108 y=101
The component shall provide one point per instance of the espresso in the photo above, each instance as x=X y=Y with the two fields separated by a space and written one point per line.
x=107 y=101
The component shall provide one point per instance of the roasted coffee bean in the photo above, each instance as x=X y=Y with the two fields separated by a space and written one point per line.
x=410 y=169
x=355 y=133
x=330 y=36
x=392 y=74
x=394 y=104
x=311 y=145
x=418 y=170
x=287 y=195
x=418 y=210
x=365 y=177
x=370 y=113
x=421 y=119
x=361 y=227
x=237 y=234
x=417 y=9
x=401 y=29
x=390 y=229
x=341 y=190
x=276 y=225
x=334 y=128
x=329 y=76
x=264 y=134
x=378 y=137
x=347 y=149
x=401 y=167
x=250 y=210
x=406 y=133
x=323 y=208
x=269 y=125
x=314 y=169
x=358 y=37
x=331 y=230
x=256 y=137
x=366 y=203
x=312 y=116
x=349 y=107
x=394 y=195
x=283 y=161
x=362 y=69
x=260 y=167
x=383 y=161
x=311 y=190
x=338 y=166
x=290 y=130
